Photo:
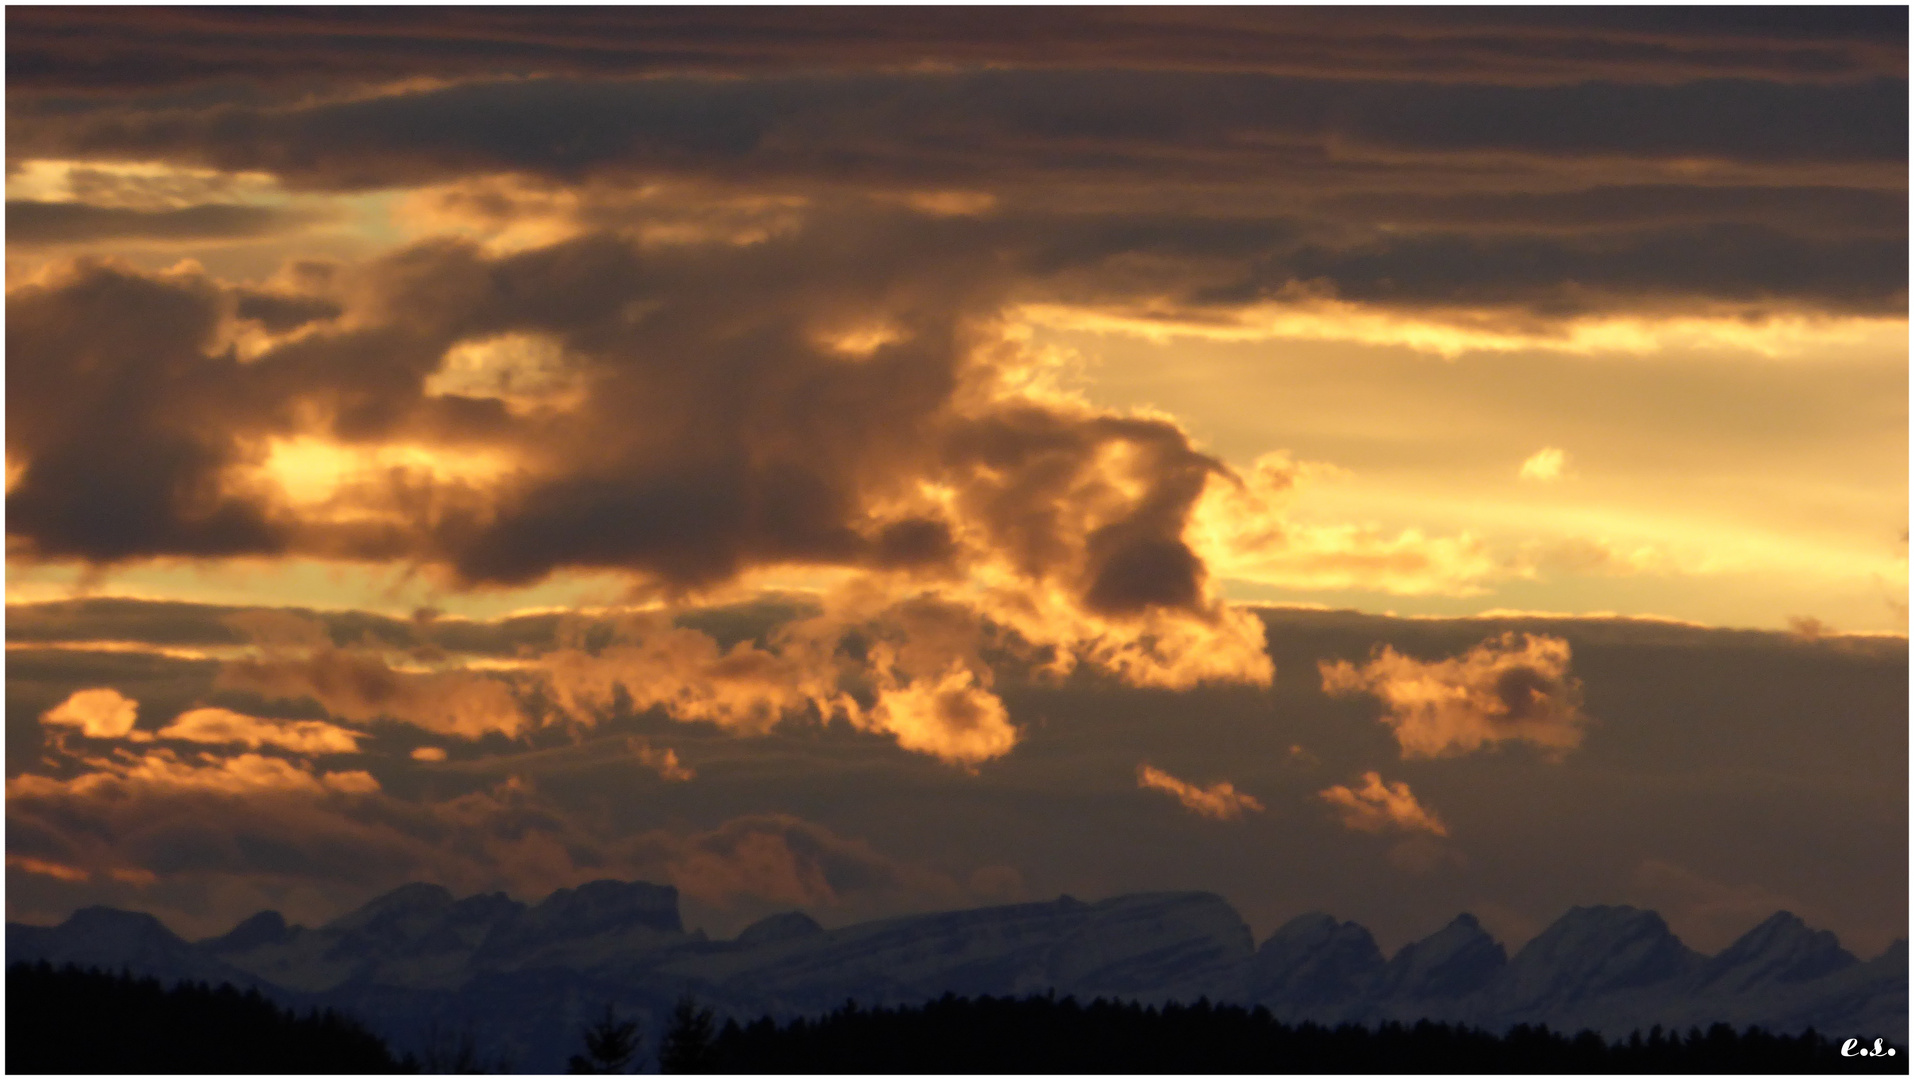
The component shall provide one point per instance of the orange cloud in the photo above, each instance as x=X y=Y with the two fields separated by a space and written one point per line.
x=665 y=762
x=1220 y=800
x=1499 y=691
x=922 y=659
x=47 y=869
x=952 y=718
x=226 y=726
x=97 y=714
x=362 y=688
x=1379 y=807
x=683 y=671
x=164 y=772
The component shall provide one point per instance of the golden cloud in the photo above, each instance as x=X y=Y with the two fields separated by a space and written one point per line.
x=1220 y=800
x=683 y=671
x=101 y=713
x=163 y=771
x=1499 y=691
x=1381 y=807
x=98 y=715
x=664 y=762
x=952 y=718
x=228 y=727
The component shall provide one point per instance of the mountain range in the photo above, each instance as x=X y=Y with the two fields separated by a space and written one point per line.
x=423 y=968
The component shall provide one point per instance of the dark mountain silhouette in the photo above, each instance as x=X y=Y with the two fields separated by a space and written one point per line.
x=523 y=979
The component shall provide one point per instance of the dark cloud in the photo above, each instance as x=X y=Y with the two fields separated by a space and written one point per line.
x=1748 y=264
x=721 y=434
x=724 y=430
x=280 y=312
x=153 y=622
x=177 y=623
x=991 y=127
x=1824 y=211
x=115 y=389
x=40 y=223
x=107 y=50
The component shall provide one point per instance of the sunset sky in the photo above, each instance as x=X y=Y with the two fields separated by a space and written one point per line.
x=1390 y=461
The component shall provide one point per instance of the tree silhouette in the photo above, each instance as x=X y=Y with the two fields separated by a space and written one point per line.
x=1047 y=1036
x=611 y=1043
x=74 y=1021
x=687 y=1045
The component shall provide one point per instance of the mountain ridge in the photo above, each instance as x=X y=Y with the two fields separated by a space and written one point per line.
x=416 y=960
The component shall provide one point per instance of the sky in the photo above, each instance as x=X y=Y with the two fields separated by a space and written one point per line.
x=1390 y=461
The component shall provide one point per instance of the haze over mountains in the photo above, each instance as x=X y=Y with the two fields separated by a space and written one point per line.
x=417 y=964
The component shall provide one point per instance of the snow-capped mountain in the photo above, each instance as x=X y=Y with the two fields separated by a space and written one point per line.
x=1314 y=968
x=1586 y=958
x=1781 y=950
x=418 y=964
x=1458 y=959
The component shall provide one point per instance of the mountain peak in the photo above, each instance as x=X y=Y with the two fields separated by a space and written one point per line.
x=1591 y=951
x=109 y=923
x=416 y=898
x=1458 y=959
x=605 y=904
x=1782 y=949
x=785 y=926
x=1313 y=960
x=256 y=931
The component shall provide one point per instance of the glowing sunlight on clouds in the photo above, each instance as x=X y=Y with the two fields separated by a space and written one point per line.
x=224 y=726
x=1503 y=690
x=98 y=714
x=1545 y=465
x=1378 y=807
x=1220 y=800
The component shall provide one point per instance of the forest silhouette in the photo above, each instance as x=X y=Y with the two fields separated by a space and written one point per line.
x=71 y=1021
x=1046 y=1035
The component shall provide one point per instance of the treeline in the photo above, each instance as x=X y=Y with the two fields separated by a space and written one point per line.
x=73 y=1021
x=1044 y=1035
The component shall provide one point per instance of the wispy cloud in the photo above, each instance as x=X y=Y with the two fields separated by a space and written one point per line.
x=1544 y=466
x=1378 y=807
x=1220 y=800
